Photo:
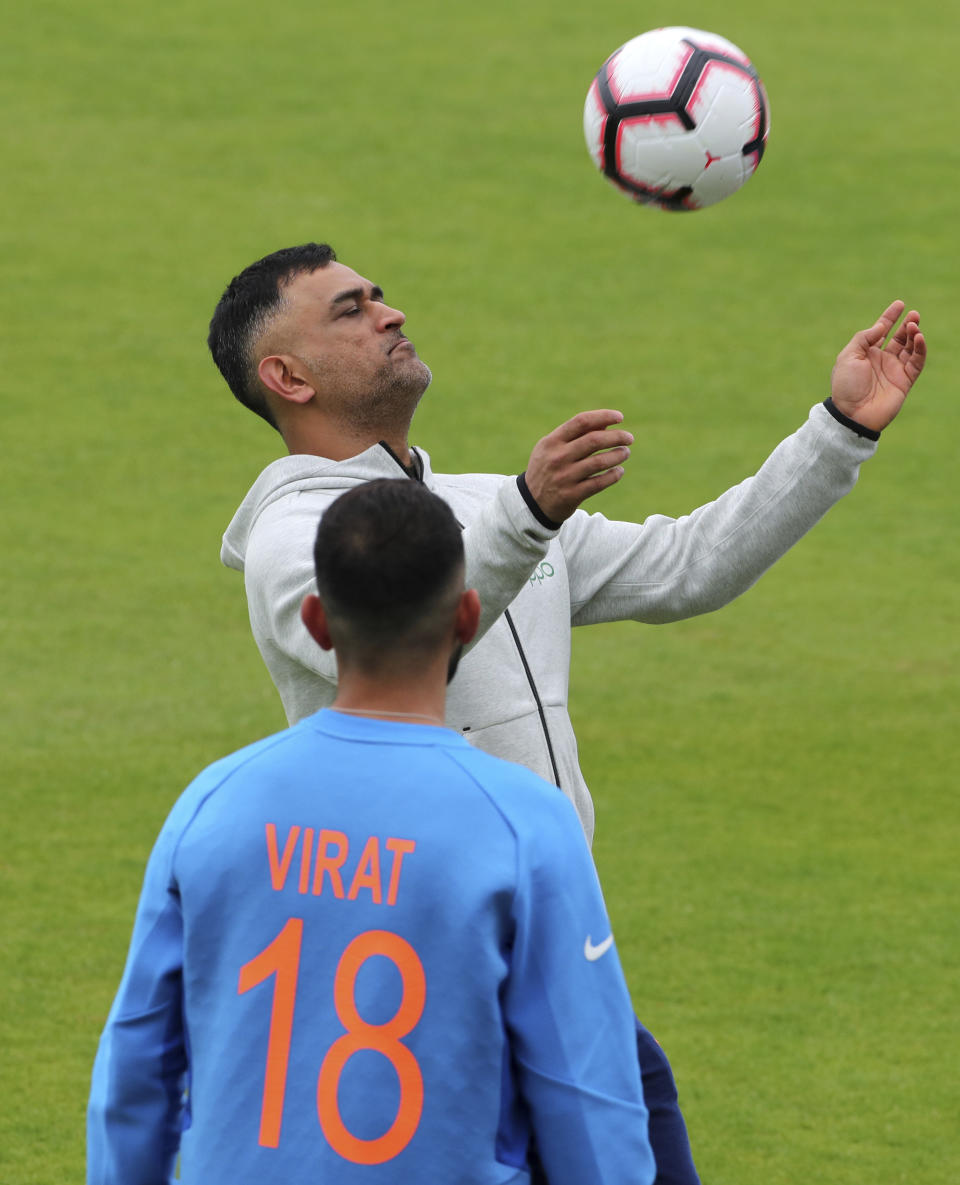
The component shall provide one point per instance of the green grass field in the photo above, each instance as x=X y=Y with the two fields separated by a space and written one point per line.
x=777 y=819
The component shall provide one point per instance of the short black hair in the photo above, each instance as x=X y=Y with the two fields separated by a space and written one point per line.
x=243 y=310
x=389 y=564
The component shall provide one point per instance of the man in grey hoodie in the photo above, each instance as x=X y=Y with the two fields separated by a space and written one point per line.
x=314 y=349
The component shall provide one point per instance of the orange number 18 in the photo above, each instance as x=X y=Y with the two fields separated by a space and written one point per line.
x=282 y=960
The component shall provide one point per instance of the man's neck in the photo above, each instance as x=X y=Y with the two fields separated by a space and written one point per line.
x=340 y=445
x=413 y=467
x=422 y=700
x=391 y=714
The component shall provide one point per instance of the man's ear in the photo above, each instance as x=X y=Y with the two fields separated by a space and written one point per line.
x=468 y=616
x=286 y=376
x=314 y=617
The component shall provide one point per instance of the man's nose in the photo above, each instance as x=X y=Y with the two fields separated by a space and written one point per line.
x=391 y=318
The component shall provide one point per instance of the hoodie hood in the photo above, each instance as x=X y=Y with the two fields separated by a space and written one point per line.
x=305 y=473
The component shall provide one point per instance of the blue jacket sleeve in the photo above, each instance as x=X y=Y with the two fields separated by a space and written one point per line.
x=569 y=1016
x=135 y=1112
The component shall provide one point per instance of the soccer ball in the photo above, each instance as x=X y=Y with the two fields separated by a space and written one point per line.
x=677 y=118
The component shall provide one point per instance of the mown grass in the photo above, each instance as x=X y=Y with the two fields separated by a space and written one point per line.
x=776 y=818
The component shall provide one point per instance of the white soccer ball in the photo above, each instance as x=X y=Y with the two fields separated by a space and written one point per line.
x=677 y=118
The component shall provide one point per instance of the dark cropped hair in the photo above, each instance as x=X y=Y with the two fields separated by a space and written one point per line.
x=243 y=312
x=389 y=561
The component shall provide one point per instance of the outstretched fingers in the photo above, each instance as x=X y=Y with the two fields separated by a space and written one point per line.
x=593 y=482
x=913 y=356
x=582 y=456
x=598 y=462
x=908 y=346
x=587 y=421
x=908 y=328
x=589 y=442
x=596 y=443
x=883 y=324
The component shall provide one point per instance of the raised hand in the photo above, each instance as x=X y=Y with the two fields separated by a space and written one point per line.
x=581 y=457
x=870 y=380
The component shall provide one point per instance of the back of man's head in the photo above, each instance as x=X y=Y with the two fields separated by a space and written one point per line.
x=389 y=565
x=250 y=300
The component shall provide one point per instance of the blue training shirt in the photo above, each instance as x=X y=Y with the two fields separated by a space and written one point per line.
x=366 y=952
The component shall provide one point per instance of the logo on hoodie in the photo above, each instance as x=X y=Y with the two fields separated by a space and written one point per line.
x=541 y=572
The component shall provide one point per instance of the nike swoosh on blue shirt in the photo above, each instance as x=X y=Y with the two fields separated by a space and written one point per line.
x=594 y=952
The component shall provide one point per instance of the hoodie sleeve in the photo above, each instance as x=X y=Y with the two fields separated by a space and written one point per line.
x=503 y=544
x=666 y=569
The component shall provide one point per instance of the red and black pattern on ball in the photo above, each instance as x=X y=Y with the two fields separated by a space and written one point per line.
x=674 y=103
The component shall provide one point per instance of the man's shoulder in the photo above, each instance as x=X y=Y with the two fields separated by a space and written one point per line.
x=486 y=766
x=210 y=791
x=248 y=760
x=527 y=802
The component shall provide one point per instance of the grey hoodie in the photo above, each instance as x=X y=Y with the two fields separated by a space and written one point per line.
x=510 y=694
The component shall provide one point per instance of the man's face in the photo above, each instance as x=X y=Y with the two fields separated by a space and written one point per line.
x=351 y=344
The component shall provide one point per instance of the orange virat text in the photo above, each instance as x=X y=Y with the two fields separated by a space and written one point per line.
x=319 y=860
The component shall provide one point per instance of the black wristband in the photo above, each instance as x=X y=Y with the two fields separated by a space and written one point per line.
x=533 y=506
x=838 y=415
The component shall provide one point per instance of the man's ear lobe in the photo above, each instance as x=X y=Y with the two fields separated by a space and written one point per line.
x=314 y=617
x=284 y=375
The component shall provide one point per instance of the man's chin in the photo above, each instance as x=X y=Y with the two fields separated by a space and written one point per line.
x=400 y=385
x=417 y=375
